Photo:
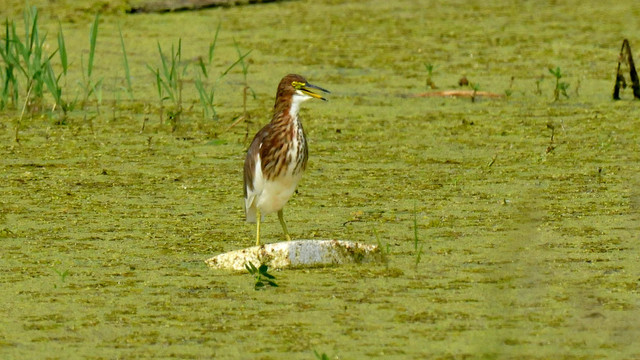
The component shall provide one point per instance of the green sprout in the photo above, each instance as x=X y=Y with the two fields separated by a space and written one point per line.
x=429 y=81
x=561 y=87
x=62 y=274
x=475 y=87
x=262 y=277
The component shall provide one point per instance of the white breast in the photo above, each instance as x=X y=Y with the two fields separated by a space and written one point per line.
x=271 y=195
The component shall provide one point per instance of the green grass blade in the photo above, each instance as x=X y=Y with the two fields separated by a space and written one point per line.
x=203 y=68
x=212 y=46
x=5 y=50
x=7 y=39
x=175 y=63
x=127 y=73
x=93 y=37
x=156 y=72
x=168 y=89
x=4 y=95
x=27 y=24
x=172 y=69
x=240 y=59
x=419 y=255
x=245 y=67
x=97 y=91
x=34 y=54
x=48 y=60
x=10 y=83
x=415 y=227
x=267 y=275
x=163 y=59
x=52 y=84
x=179 y=53
x=34 y=32
x=204 y=99
x=159 y=84
x=62 y=48
x=17 y=51
x=11 y=59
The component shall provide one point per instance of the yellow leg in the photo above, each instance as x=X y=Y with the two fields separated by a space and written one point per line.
x=284 y=225
x=258 y=228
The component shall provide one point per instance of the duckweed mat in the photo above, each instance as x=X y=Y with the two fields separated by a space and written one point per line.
x=510 y=226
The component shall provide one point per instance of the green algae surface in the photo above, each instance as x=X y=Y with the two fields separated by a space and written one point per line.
x=510 y=226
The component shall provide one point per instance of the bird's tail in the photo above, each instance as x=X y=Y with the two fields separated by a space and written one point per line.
x=250 y=210
x=251 y=215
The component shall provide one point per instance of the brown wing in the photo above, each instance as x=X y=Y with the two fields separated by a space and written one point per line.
x=275 y=147
x=250 y=159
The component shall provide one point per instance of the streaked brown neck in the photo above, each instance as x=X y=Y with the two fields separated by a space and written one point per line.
x=282 y=109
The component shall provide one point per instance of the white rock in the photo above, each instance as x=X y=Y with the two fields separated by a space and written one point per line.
x=298 y=253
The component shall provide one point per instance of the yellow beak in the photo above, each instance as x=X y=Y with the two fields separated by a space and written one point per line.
x=306 y=89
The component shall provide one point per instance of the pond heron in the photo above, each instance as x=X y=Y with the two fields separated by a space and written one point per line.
x=278 y=154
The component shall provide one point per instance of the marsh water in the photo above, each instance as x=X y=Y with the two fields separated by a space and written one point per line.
x=510 y=225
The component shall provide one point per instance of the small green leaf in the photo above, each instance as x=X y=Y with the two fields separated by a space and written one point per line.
x=251 y=268
x=267 y=275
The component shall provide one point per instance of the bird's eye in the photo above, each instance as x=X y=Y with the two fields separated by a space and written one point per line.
x=297 y=85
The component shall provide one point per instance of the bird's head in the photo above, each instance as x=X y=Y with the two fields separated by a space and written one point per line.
x=297 y=88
